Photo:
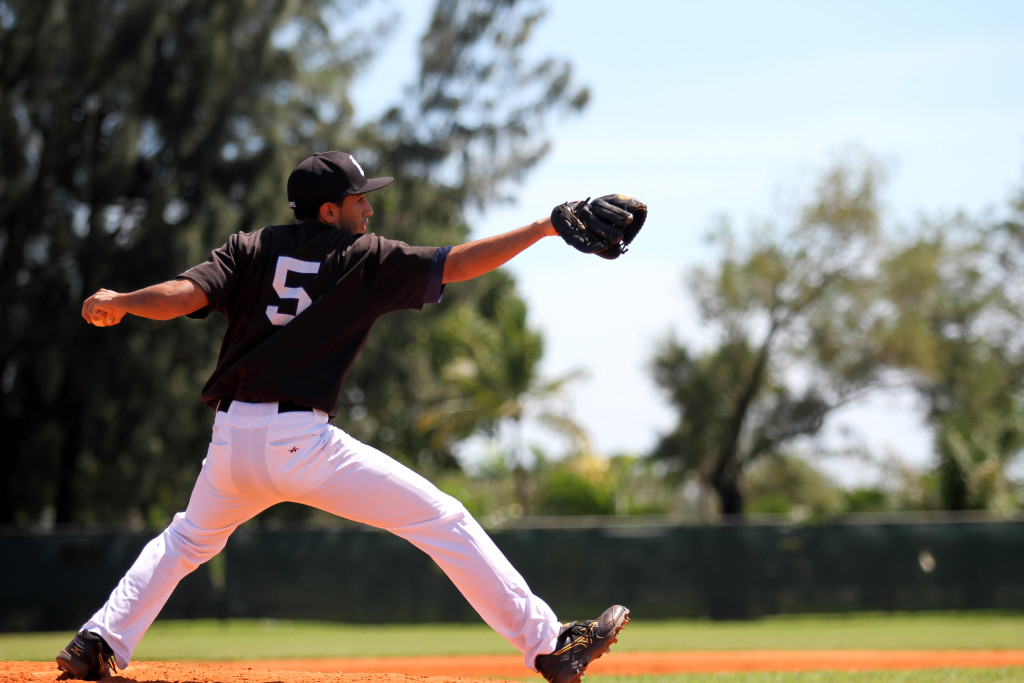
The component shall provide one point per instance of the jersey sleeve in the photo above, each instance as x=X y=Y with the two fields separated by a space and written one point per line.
x=406 y=277
x=218 y=275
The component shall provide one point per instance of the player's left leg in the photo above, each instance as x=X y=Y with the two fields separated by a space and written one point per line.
x=360 y=483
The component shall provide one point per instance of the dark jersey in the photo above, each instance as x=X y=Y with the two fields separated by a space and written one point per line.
x=300 y=302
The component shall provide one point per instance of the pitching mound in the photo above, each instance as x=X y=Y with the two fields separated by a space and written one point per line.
x=496 y=668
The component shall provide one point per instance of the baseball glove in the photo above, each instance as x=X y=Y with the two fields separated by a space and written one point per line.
x=604 y=226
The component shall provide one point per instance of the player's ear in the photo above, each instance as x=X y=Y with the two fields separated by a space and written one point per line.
x=329 y=212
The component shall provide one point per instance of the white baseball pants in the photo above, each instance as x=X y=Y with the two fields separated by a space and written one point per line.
x=258 y=458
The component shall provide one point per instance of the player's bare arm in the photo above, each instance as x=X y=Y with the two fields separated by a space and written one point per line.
x=158 y=302
x=472 y=259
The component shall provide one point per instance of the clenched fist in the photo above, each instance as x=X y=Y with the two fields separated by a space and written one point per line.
x=102 y=310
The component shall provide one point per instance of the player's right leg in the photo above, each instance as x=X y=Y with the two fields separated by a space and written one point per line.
x=217 y=506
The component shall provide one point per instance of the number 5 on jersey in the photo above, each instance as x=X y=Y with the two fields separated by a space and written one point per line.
x=285 y=265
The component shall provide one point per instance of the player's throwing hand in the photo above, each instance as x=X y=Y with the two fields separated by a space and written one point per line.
x=101 y=309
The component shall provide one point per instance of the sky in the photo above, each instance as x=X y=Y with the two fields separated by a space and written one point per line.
x=729 y=108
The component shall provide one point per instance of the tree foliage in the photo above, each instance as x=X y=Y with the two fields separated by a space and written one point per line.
x=134 y=137
x=815 y=317
x=493 y=372
x=955 y=292
x=797 y=334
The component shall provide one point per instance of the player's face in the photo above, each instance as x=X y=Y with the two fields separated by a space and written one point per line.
x=354 y=214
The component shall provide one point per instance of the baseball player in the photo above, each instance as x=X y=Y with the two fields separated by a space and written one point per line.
x=300 y=301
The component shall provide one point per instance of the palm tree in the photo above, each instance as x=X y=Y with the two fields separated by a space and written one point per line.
x=494 y=369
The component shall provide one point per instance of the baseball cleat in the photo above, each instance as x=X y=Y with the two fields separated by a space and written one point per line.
x=87 y=657
x=580 y=643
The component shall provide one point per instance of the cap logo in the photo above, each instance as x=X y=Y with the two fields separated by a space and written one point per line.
x=361 y=171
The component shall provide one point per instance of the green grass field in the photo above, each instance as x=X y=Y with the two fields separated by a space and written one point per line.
x=248 y=639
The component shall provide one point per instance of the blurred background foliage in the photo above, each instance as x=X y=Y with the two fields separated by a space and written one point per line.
x=136 y=136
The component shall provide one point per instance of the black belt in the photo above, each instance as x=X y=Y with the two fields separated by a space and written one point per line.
x=282 y=406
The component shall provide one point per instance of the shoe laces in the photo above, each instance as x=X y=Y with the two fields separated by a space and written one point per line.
x=107 y=662
x=575 y=635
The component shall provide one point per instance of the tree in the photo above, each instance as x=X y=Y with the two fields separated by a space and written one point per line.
x=458 y=121
x=494 y=372
x=798 y=334
x=788 y=485
x=955 y=293
x=136 y=136
x=131 y=140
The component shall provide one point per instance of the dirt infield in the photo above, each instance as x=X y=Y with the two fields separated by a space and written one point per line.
x=466 y=668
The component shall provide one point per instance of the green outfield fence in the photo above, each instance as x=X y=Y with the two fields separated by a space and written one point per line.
x=660 y=568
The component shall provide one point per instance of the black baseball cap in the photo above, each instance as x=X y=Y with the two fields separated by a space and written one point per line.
x=327 y=177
